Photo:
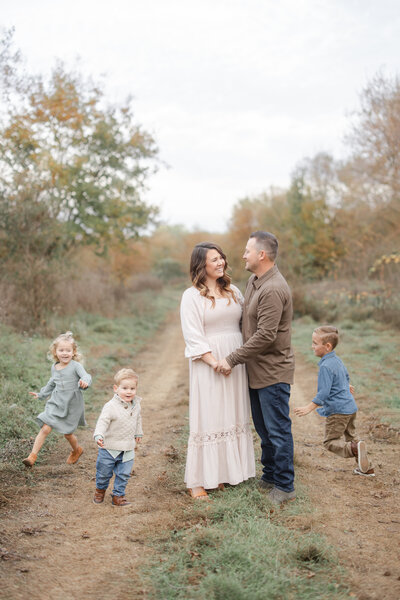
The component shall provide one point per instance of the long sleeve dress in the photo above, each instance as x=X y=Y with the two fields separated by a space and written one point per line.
x=220 y=446
x=65 y=409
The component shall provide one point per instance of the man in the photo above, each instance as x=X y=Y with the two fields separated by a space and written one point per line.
x=266 y=328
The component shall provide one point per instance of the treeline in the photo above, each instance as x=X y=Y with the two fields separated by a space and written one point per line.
x=76 y=233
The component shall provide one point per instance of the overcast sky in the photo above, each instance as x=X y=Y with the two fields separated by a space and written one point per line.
x=235 y=92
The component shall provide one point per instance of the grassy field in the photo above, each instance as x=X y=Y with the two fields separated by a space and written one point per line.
x=370 y=352
x=106 y=345
x=239 y=547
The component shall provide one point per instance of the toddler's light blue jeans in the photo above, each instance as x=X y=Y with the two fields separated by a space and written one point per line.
x=106 y=465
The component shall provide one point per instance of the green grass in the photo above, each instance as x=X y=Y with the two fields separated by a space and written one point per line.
x=237 y=546
x=370 y=352
x=106 y=345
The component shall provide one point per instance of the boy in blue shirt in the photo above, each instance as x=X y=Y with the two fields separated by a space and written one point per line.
x=335 y=401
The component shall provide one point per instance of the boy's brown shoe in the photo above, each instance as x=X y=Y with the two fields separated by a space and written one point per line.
x=74 y=456
x=98 y=497
x=119 y=501
x=369 y=473
x=359 y=450
x=30 y=460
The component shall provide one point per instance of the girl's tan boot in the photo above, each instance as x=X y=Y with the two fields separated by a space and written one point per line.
x=30 y=461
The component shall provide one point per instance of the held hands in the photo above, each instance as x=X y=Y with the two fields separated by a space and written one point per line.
x=219 y=366
x=82 y=384
x=223 y=367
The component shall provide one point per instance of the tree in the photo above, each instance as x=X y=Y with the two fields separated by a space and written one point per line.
x=375 y=138
x=72 y=168
x=315 y=249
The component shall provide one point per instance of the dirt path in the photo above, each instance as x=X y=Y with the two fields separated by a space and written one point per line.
x=61 y=545
x=55 y=543
x=359 y=515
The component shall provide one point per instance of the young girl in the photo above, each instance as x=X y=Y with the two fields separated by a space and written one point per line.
x=64 y=410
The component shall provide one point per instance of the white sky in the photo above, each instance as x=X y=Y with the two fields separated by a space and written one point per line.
x=235 y=92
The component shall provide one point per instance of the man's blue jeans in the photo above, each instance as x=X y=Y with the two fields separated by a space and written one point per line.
x=270 y=410
x=106 y=465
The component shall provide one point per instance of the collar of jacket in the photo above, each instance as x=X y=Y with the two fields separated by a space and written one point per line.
x=258 y=281
x=124 y=404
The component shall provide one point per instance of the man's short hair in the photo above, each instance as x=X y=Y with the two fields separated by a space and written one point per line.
x=125 y=374
x=266 y=241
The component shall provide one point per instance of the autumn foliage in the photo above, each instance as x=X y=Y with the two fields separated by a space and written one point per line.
x=77 y=234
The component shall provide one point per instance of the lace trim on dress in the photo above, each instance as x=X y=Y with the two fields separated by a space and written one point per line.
x=203 y=439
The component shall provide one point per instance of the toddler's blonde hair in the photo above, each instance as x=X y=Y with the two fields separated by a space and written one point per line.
x=64 y=337
x=125 y=374
x=328 y=335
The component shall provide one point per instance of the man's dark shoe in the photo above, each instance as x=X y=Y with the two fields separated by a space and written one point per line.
x=265 y=485
x=279 y=496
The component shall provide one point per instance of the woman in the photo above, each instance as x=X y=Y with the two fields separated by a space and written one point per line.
x=220 y=447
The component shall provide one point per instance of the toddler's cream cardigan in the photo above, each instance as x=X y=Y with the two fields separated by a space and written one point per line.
x=119 y=423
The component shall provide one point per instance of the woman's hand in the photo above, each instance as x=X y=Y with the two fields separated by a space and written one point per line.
x=224 y=367
x=83 y=384
x=34 y=394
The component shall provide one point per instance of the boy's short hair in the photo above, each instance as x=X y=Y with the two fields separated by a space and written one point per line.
x=125 y=374
x=328 y=335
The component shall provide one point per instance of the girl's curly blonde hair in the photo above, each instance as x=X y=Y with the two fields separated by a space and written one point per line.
x=64 y=337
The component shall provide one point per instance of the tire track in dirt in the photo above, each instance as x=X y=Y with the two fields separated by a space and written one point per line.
x=60 y=544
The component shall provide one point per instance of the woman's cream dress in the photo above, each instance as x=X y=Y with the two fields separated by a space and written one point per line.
x=220 y=447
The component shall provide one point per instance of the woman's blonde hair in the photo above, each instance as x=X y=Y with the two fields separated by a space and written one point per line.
x=125 y=374
x=198 y=273
x=328 y=335
x=64 y=337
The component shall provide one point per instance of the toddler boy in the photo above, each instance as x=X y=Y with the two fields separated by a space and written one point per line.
x=118 y=428
x=335 y=401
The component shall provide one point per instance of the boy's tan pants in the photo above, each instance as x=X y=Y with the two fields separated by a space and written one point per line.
x=337 y=426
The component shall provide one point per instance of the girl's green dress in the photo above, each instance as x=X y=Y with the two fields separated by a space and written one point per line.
x=65 y=409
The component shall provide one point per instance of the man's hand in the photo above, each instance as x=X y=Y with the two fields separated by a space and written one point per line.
x=138 y=440
x=223 y=367
x=100 y=442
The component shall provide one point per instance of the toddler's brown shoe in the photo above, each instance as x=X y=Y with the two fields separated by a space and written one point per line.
x=74 y=456
x=98 y=497
x=119 y=501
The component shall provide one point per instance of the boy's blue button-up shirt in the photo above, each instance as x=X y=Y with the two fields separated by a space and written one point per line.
x=334 y=395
